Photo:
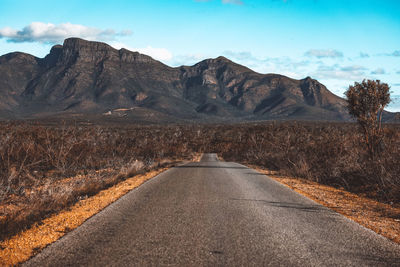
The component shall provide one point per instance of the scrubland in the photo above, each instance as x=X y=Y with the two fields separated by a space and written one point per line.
x=47 y=168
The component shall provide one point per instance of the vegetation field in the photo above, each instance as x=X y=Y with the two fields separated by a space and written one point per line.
x=45 y=168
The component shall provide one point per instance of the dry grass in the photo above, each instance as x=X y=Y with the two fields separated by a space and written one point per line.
x=383 y=219
x=44 y=169
x=28 y=243
x=327 y=153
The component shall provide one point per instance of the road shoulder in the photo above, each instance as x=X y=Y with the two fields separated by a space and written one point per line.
x=28 y=243
x=382 y=218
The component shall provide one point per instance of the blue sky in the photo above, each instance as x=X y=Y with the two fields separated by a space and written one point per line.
x=337 y=42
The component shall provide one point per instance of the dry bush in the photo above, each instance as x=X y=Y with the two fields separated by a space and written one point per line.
x=366 y=102
x=46 y=168
x=36 y=160
x=329 y=153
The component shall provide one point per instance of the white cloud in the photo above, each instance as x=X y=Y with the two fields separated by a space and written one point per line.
x=348 y=73
x=7 y=31
x=187 y=60
x=51 y=33
x=157 y=53
x=324 y=53
x=161 y=54
x=378 y=71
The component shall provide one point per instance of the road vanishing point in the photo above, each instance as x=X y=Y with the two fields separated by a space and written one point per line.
x=214 y=213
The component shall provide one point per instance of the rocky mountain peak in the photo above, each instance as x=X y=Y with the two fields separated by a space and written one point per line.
x=56 y=49
x=219 y=66
x=18 y=57
x=134 y=57
x=219 y=60
x=75 y=49
x=51 y=59
x=77 y=44
x=214 y=62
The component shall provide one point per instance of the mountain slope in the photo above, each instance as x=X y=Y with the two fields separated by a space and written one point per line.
x=270 y=95
x=83 y=77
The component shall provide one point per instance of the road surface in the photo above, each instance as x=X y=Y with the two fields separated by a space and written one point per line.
x=213 y=213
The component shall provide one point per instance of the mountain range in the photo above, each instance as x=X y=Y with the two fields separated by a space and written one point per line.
x=85 y=78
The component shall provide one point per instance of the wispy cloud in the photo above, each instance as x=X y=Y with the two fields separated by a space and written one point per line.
x=243 y=55
x=396 y=53
x=347 y=73
x=282 y=65
x=324 y=53
x=52 y=33
x=364 y=55
x=188 y=59
x=157 y=53
x=353 y=68
x=162 y=54
x=378 y=71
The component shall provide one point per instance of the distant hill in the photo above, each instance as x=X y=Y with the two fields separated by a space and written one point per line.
x=83 y=78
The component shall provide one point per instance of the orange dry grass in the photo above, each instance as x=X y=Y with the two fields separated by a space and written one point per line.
x=24 y=245
x=379 y=217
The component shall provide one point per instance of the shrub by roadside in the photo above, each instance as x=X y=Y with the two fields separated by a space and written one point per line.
x=46 y=168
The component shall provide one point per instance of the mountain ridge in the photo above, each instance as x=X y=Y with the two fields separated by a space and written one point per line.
x=85 y=77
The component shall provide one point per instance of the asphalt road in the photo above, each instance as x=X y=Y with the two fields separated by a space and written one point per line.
x=213 y=213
